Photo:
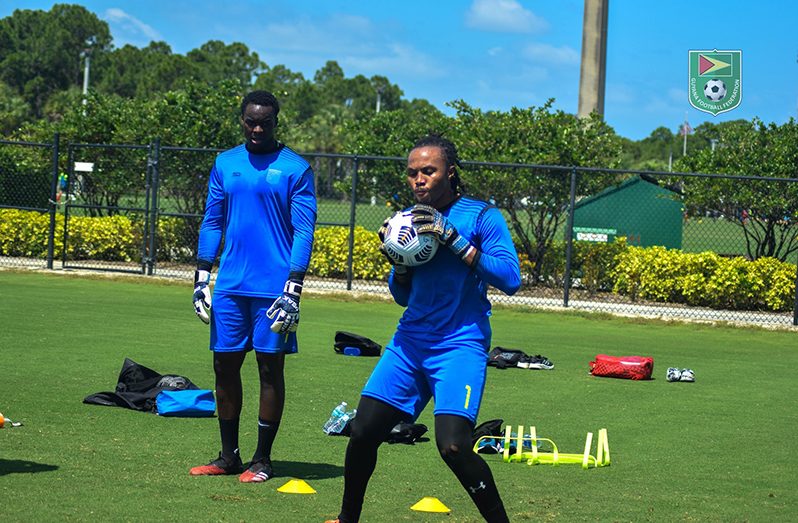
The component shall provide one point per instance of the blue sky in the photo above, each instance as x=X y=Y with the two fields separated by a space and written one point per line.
x=494 y=54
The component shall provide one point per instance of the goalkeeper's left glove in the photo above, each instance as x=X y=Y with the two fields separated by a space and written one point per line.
x=286 y=307
x=428 y=220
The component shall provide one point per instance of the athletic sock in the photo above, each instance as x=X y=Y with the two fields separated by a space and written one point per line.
x=360 y=461
x=474 y=474
x=267 y=432
x=228 y=429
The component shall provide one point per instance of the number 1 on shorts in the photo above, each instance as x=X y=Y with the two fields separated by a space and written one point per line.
x=468 y=395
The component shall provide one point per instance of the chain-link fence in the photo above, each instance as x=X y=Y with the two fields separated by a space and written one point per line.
x=625 y=242
x=28 y=179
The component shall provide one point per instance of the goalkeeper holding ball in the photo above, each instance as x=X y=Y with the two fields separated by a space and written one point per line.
x=261 y=200
x=440 y=348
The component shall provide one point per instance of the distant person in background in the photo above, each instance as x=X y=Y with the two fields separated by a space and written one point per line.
x=440 y=348
x=261 y=200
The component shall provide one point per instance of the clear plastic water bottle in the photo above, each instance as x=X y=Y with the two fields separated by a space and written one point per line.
x=340 y=423
x=336 y=414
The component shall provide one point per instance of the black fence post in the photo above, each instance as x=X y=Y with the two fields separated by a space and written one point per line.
x=53 y=203
x=155 y=156
x=351 y=255
x=70 y=182
x=569 y=232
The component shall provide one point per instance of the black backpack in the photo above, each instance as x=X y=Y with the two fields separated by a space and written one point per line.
x=355 y=345
x=502 y=358
x=488 y=428
x=138 y=386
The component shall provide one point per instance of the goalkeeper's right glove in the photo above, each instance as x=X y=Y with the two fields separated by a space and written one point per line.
x=202 y=295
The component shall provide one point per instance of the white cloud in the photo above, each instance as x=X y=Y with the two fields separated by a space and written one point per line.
x=495 y=51
x=353 y=41
x=129 y=28
x=677 y=95
x=551 y=54
x=396 y=58
x=619 y=94
x=503 y=16
x=334 y=35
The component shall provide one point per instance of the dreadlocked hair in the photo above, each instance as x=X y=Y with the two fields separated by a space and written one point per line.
x=449 y=151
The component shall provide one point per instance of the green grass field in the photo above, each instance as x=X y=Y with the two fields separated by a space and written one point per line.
x=719 y=449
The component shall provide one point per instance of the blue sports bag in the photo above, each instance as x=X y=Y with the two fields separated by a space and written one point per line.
x=186 y=403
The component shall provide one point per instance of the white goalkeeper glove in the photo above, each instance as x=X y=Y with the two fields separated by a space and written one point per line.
x=285 y=309
x=202 y=295
x=401 y=272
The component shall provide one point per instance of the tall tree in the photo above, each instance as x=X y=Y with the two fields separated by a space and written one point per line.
x=218 y=61
x=13 y=110
x=142 y=72
x=41 y=51
x=766 y=211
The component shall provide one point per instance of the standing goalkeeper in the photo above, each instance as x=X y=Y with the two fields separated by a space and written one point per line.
x=261 y=200
x=440 y=348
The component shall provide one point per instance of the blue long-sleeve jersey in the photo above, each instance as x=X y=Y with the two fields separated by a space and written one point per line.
x=264 y=207
x=446 y=299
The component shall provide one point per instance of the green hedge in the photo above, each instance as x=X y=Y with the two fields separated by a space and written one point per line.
x=592 y=264
x=705 y=279
x=331 y=249
x=118 y=238
x=649 y=273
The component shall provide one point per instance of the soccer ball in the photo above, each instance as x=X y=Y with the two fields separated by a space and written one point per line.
x=715 y=90
x=404 y=245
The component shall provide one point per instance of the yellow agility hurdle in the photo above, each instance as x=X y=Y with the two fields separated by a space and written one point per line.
x=555 y=457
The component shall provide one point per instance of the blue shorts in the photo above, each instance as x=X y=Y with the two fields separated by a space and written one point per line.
x=239 y=323
x=408 y=375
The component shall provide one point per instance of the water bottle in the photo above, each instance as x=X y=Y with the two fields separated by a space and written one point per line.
x=336 y=414
x=340 y=423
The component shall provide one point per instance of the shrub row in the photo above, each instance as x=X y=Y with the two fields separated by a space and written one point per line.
x=650 y=273
x=704 y=279
x=331 y=250
x=118 y=238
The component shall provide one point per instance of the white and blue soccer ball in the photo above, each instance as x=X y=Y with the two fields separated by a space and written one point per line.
x=404 y=245
x=715 y=90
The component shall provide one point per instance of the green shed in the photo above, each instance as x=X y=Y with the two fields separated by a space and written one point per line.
x=638 y=208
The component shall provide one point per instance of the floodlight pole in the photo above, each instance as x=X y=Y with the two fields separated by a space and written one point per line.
x=379 y=99
x=87 y=64
x=592 y=69
x=86 y=55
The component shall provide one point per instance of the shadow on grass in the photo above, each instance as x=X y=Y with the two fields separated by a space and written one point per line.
x=21 y=466
x=307 y=471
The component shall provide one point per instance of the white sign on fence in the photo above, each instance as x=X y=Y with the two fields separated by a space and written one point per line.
x=84 y=167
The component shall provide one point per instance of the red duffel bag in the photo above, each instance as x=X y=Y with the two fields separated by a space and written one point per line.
x=627 y=367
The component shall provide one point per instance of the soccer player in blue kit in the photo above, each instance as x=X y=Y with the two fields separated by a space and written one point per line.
x=440 y=348
x=261 y=201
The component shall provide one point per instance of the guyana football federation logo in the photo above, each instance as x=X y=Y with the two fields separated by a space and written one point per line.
x=715 y=84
